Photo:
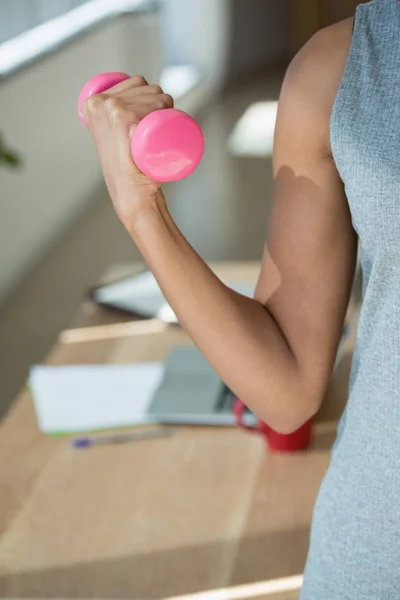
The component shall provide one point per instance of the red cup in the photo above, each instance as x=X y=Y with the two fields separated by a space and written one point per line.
x=276 y=442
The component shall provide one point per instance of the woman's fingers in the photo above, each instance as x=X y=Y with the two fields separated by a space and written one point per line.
x=117 y=114
x=148 y=103
x=137 y=81
x=136 y=92
x=130 y=108
x=112 y=117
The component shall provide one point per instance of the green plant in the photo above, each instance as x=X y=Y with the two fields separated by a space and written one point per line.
x=8 y=156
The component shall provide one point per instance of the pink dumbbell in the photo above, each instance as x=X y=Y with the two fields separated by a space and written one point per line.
x=167 y=144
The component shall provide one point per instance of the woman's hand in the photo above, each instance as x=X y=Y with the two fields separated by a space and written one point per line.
x=112 y=118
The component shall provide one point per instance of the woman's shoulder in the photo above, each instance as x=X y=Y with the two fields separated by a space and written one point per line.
x=313 y=78
x=323 y=58
x=316 y=71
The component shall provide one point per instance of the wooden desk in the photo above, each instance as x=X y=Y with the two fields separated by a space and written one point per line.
x=204 y=509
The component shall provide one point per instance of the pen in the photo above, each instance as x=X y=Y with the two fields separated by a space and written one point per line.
x=122 y=438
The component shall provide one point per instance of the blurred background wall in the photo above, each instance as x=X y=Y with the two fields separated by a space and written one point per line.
x=307 y=16
x=336 y=10
x=197 y=34
x=260 y=34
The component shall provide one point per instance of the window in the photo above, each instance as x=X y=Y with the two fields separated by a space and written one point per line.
x=18 y=16
x=30 y=28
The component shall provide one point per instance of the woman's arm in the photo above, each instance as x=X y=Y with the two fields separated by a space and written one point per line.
x=276 y=351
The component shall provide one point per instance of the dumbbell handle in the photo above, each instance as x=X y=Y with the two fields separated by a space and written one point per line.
x=167 y=145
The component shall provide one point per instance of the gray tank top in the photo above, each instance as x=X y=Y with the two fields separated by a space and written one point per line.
x=355 y=537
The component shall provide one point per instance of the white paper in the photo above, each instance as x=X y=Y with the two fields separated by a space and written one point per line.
x=93 y=397
x=141 y=294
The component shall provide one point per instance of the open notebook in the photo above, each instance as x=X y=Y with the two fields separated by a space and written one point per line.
x=81 y=398
x=140 y=295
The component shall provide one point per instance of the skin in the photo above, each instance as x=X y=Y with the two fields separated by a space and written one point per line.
x=276 y=351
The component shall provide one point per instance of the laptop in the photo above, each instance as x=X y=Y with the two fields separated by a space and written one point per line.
x=192 y=393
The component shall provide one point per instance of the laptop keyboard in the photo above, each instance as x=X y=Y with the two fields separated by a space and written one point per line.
x=227 y=400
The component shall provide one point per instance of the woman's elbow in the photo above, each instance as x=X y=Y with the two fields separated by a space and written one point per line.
x=288 y=426
x=291 y=421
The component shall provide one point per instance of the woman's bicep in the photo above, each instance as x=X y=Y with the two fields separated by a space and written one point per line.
x=310 y=250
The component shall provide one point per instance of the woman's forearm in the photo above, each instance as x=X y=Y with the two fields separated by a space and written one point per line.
x=238 y=335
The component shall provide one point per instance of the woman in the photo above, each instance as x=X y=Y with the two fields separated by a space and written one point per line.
x=336 y=166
